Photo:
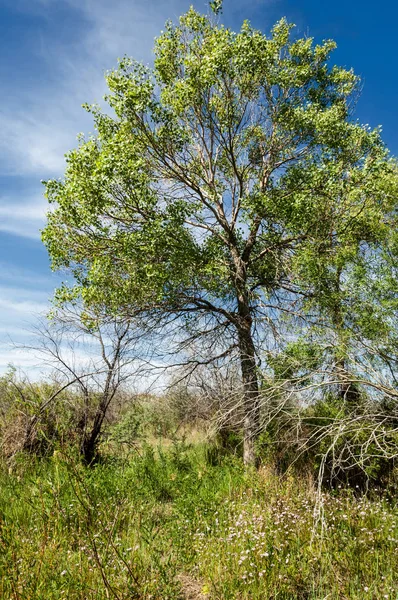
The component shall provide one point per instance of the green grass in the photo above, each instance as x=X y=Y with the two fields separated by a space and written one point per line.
x=166 y=525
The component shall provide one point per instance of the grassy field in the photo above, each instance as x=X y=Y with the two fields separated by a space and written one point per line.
x=165 y=524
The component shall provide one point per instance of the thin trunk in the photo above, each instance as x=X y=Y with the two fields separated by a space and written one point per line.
x=90 y=441
x=251 y=400
x=346 y=390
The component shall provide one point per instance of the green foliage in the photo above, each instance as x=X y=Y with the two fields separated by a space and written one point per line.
x=130 y=427
x=235 y=154
x=149 y=417
x=216 y=6
x=297 y=358
x=230 y=186
x=227 y=442
x=338 y=441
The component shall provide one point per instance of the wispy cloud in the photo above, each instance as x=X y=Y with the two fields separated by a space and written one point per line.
x=39 y=126
x=13 y=277
x=20 y=306
x=28 y=301
x=22 y=218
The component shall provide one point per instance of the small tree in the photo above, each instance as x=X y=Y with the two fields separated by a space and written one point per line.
x=222 y=170
x=93 y=355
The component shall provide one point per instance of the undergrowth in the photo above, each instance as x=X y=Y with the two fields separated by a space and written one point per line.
x=162 y=523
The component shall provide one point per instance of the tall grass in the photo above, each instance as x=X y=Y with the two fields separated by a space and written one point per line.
x=167 y=525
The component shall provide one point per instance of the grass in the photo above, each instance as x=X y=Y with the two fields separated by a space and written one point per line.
x=167 y=525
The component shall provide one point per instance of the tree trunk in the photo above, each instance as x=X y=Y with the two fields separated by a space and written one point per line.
x=251 y=396
x=251 y=399
x=89 y=448
x=90 y=441
x=346 y=390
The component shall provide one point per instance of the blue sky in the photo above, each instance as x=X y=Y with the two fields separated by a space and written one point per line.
x=53 y=57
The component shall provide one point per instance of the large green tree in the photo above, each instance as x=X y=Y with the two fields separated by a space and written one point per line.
x=213 y=183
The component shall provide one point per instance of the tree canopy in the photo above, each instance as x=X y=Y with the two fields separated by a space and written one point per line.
x=226 y=186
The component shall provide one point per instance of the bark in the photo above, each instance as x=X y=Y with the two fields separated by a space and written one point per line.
x=89 y=447
x=90 y=441
x=347 y=391
x=251 y=399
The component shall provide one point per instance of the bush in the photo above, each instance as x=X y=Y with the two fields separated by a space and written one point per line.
x=29 y=423
x=338 y=442
x=349 y=446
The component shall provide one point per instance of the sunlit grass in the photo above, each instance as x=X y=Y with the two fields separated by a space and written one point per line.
x=144 y=526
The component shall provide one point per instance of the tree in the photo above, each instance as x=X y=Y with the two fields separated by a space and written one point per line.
x=92 y=355
x=350 y=292
x=219 y=175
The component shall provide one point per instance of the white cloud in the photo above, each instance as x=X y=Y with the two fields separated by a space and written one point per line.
x=12 y=276
x=25 y=307
x=20 y=305
x=30 y=143
x=17 y=357
x=40 y=125
x=19 y=301
x=23 y=218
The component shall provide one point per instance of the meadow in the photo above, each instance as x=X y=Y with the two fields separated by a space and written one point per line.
x=176 y=521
